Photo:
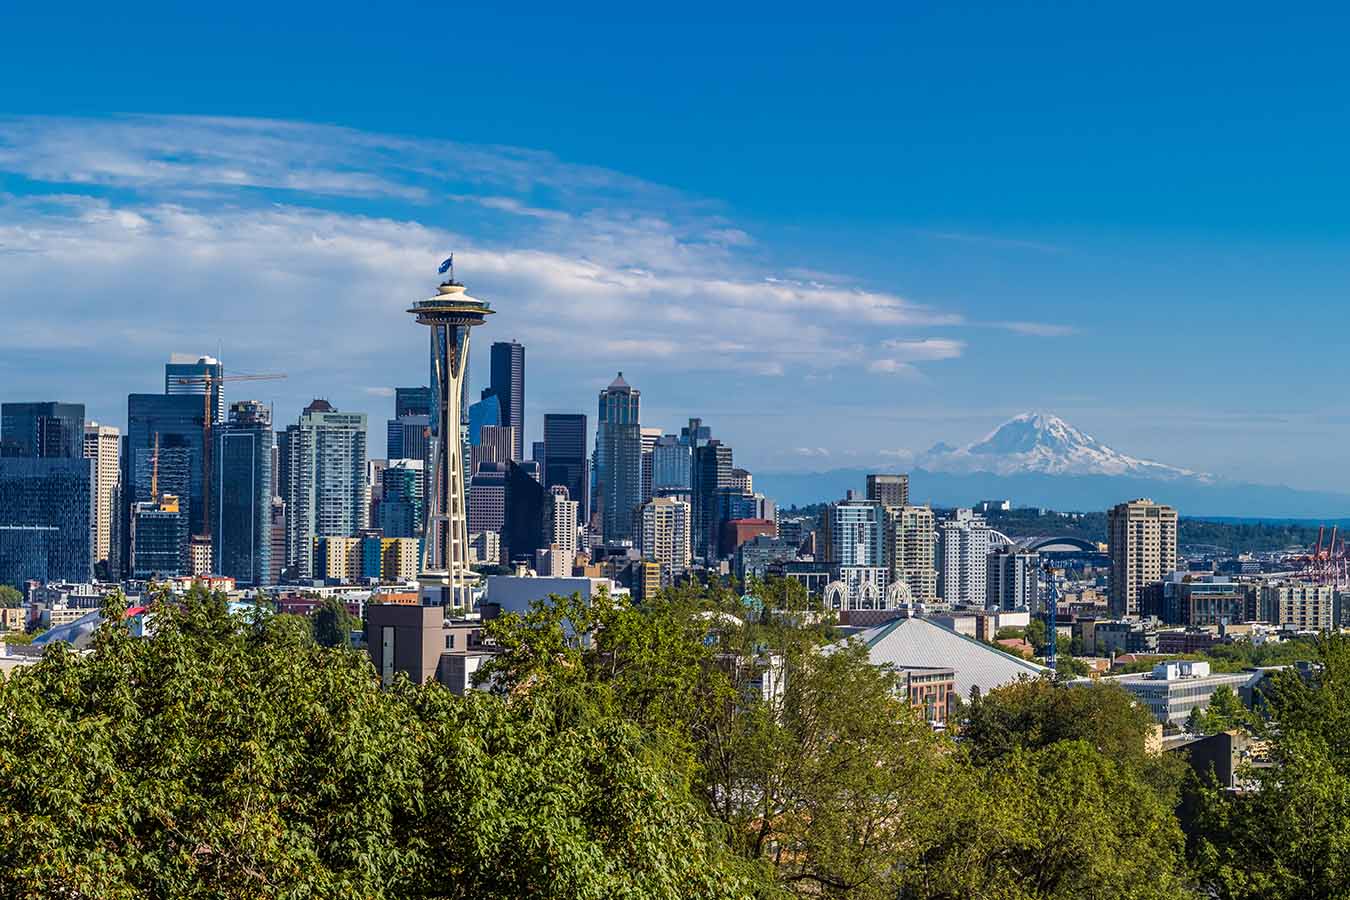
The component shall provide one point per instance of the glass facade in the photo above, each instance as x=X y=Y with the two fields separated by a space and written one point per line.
x=401 y=503
x=42 y=430
x=46 y=510
x=242 y=508
x=177 y=420
x=565 y=458
x=159 y=540
x=618 y=460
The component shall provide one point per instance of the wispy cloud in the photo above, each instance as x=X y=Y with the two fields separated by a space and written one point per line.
x=1038 y=329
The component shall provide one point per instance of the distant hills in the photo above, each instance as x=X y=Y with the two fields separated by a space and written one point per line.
x=1036 y=459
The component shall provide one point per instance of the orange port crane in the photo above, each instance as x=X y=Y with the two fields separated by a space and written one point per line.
x=212 y=384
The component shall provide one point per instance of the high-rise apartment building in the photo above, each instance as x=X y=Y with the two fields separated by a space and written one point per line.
x=1142 y=536
x=495 y=444
x=486 y=504
x=327 y=479
x=42 y=430
x=401 y=498
x=158 y=539
x=666 y=525
x=241 y=528
x=963 y=551
x=618 y=460
x=888 y=490
x=1013 y=579
x=853 y=533
x=711 y=473
x=103 y=446
x=566 y=462
x=560 y=530
x=911 y=548
x=185 y=375
x=743 y=481
x=507 y=384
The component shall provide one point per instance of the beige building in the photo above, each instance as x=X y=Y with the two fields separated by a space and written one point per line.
x=560 y=530
x=911 y=548
x=103 y=444
x=1143 y=547
x=1300 y=606
x=666 y=536
x=888 y=490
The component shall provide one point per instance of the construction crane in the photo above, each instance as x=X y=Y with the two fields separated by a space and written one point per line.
x=154 y=473
x=212 y=384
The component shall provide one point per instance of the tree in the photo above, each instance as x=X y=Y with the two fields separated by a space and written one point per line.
x=1224 y=713
x=10 y=596
x=333 y=625
x=225 y=757
x=1288 y=834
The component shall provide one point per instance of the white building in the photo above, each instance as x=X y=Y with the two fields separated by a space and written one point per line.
x=963 y=549
x=103 y=444
x=327 y=465
x=666 y=538
x=1013 y=579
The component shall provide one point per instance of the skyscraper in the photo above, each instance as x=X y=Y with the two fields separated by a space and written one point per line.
x=649 y=438
x=507 y=384
x=42 y=430
x=853 y=533
x=450 y=315
x=565 y=458
x=177 y=420
x=911 y=547
x=401 y=502
x=46 y=515
x=671 y=466
x=412 y=401
x=1014 y=579
x=1143 y=543
x=963 y=551
x=665 y=536
x=560 y=529
x=618 y=460
x=327 y=468
x=522 y=530
x=242 y=505
x=185 y=375
x=103 y=445
x=711 y=472
x=888 y=490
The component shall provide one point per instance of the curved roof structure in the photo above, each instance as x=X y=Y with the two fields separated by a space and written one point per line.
x=1062 y=545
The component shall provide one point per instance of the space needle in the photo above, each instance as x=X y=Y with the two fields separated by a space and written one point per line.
x=446 y=579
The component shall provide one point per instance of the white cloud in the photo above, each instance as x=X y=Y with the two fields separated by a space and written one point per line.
x=1038 y=329
x=886 y=366
x=925 y=349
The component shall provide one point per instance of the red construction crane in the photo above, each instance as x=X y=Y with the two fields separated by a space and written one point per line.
x=212 y=384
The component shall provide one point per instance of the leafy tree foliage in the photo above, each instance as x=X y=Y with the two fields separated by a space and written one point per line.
x=233 y=758
x=333 y=625
x=10 y=596
x=1224 y=713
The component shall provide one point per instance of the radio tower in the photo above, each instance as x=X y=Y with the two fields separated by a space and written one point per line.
x=446 y=578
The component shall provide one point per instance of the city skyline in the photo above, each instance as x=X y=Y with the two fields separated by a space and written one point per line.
x=1110 y=270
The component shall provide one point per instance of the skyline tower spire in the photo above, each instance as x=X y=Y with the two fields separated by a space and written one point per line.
x=446 y=577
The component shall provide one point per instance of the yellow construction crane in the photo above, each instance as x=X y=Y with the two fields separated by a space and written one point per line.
x=212 y=384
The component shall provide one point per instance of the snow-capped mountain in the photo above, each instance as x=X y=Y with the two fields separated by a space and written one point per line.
x=1037 y=442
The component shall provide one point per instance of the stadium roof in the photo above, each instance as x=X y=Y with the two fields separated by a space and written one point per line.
x=920 y=643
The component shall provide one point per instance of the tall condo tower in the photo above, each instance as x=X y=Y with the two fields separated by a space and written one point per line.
x=446 y=576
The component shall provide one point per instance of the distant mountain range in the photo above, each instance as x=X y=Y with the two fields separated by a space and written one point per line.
x=1036 y=459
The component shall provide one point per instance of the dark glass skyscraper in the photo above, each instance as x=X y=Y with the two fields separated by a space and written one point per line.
x=184 y=376
x=412 y=401
x=711 y=471
x=177 y=420
x=42 y=430
x=507 y=384
x=401 y=503
x=618 y=460
x=242 y=492
x=566 y=462
x=46 y=513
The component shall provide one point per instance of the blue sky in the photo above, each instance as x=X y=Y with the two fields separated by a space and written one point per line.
x=838 y=241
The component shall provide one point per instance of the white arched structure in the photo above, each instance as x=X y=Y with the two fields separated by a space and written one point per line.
x=898 y=595
x=869 y=596
x=836 y=595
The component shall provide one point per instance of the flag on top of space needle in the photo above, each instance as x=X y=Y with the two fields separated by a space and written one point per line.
x=446 y=266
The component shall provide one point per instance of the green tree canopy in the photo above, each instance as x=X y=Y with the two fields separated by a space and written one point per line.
x=10 y=596
x=233 y=758
x=333 y=625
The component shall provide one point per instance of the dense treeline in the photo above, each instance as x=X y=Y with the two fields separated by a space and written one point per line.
x=691 y=748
